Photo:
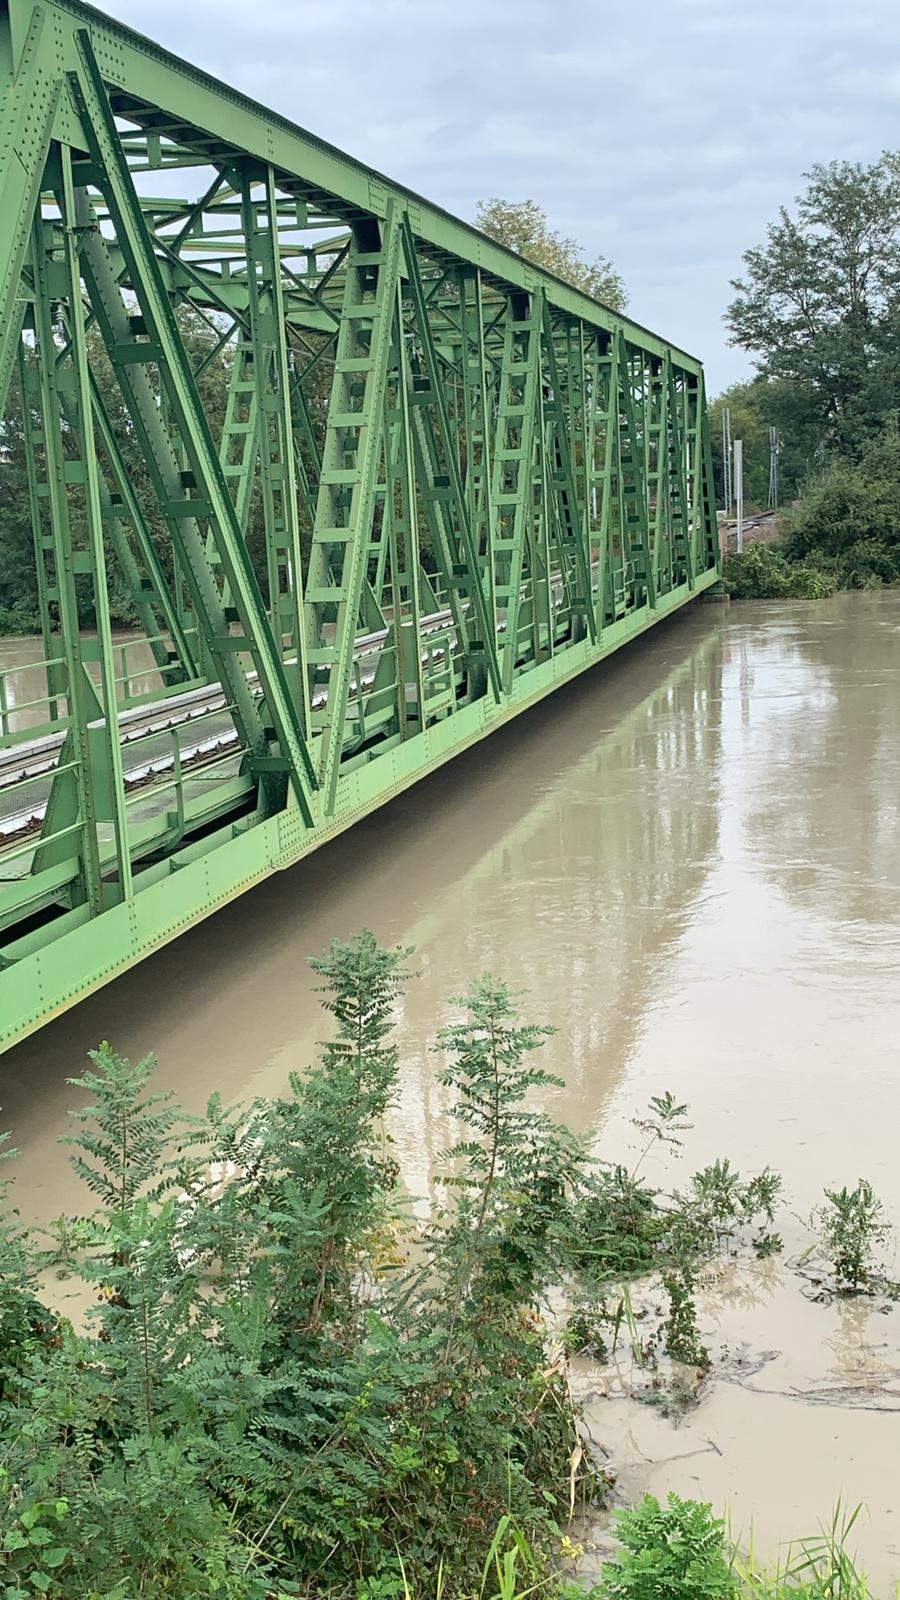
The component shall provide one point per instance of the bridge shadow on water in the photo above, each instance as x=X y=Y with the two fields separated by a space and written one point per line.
x=562 y=852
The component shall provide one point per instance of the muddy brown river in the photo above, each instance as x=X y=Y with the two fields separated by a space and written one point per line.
x=691 y=861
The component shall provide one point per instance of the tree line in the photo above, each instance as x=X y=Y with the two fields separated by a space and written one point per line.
x=818 y=308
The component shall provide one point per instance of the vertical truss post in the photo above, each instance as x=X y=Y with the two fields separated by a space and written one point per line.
x=30 y=396
x=513 y=462
x=706 y=547
x=402 y=533
x=655 y=436
x=442 y=484
x=604 y=413
x=574 y=550
x=542 y=521
x=682 y=554
x=632 y=489
x=211 y=501
x=238 y=445
x=106 y=751
x=620 y=566
x=474 y=362
x=88 y=788
x=271 y=371
x=350 y=462
x=582 y=366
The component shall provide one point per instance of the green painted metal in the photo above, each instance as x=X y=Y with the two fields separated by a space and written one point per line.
x=441 y=483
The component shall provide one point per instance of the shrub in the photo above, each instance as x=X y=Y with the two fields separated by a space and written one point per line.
x=671 y=1552
x=852 y=1225
x=766 y=572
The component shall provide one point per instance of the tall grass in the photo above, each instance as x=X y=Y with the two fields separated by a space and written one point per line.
x=821 y=1567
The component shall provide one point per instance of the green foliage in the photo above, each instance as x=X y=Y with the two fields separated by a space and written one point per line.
x=756 y=406
x=517 y=1167
x=819 y=302
x=522 y=226
x=124 y=1135
x=25 y=1323
x=619 y=1227
x=269 y=1393
x=852 y=1226
x=623 y=1229
x=765 y=572
x=671 y=1552
x=283 y=1386
x=850 y=518
x=819 y=307
x=679 y=1552
x=728 y=1203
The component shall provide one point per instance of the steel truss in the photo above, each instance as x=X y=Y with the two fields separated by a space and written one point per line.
x=468 y=481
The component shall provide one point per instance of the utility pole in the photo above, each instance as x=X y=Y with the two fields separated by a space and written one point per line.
x=726 y=457
x=773 y=470
x=739 y=494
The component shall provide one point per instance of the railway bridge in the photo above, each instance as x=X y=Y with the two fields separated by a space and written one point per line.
x=432 y=483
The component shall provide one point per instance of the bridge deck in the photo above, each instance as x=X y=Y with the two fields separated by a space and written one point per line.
x=370 y=483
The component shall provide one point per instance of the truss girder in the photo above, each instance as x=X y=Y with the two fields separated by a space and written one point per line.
x=369 y=482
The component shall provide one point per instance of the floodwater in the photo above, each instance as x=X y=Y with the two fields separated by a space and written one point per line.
x=23 y=682
x=690 y=860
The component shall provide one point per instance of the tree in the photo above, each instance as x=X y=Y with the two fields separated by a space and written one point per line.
x=523 y=227
x=755 y=407
x=819 y=303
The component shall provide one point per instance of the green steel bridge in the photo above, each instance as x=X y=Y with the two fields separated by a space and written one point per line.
x=442 y=482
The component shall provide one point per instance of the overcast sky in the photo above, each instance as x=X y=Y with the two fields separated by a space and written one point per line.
x=662 y=133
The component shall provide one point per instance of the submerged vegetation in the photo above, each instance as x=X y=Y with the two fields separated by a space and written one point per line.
x=286 y=1385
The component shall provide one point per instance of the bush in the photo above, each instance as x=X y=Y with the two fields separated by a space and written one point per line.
x=852 y=1225
x=766 y=572
x=671 y=1552
x=849 y=519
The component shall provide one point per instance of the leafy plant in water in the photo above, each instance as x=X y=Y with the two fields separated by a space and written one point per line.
x=730 y=1203
x=852 y=1226
x=671 y=1552
x=511 y=1227
x=664 y=1123
x=687 y=1242
x=618 y=1226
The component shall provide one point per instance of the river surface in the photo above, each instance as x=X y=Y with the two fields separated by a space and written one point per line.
x=690 y=861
